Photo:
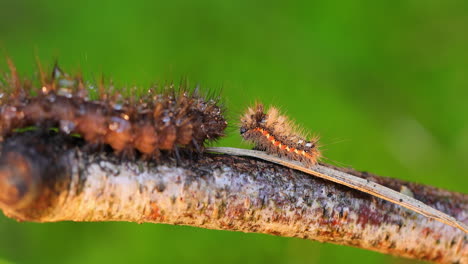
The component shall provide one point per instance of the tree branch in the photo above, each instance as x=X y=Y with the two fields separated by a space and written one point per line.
x=367 y=186
x=46 y=178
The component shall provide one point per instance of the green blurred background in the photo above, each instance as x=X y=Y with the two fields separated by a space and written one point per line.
x=384 y=83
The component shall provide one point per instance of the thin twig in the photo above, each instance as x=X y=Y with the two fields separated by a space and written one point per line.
x=49 y=179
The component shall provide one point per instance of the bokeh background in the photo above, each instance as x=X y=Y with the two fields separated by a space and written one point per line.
x=384 y=83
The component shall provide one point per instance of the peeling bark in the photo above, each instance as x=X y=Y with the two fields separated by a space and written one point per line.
x=47 y=178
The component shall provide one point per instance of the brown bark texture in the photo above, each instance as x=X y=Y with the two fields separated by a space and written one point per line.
x=45 y=177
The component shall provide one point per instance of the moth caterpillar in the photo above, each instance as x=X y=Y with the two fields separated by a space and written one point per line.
x=276 y=134
x=156 y=121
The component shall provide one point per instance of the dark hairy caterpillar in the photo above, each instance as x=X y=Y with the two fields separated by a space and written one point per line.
x=157 y=121
x=278 y=135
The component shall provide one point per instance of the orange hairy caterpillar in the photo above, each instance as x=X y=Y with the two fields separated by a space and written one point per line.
x=276 y=134
x=155 y=122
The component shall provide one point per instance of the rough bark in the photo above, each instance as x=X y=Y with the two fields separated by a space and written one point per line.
x=403 y=198
x=46 y=178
